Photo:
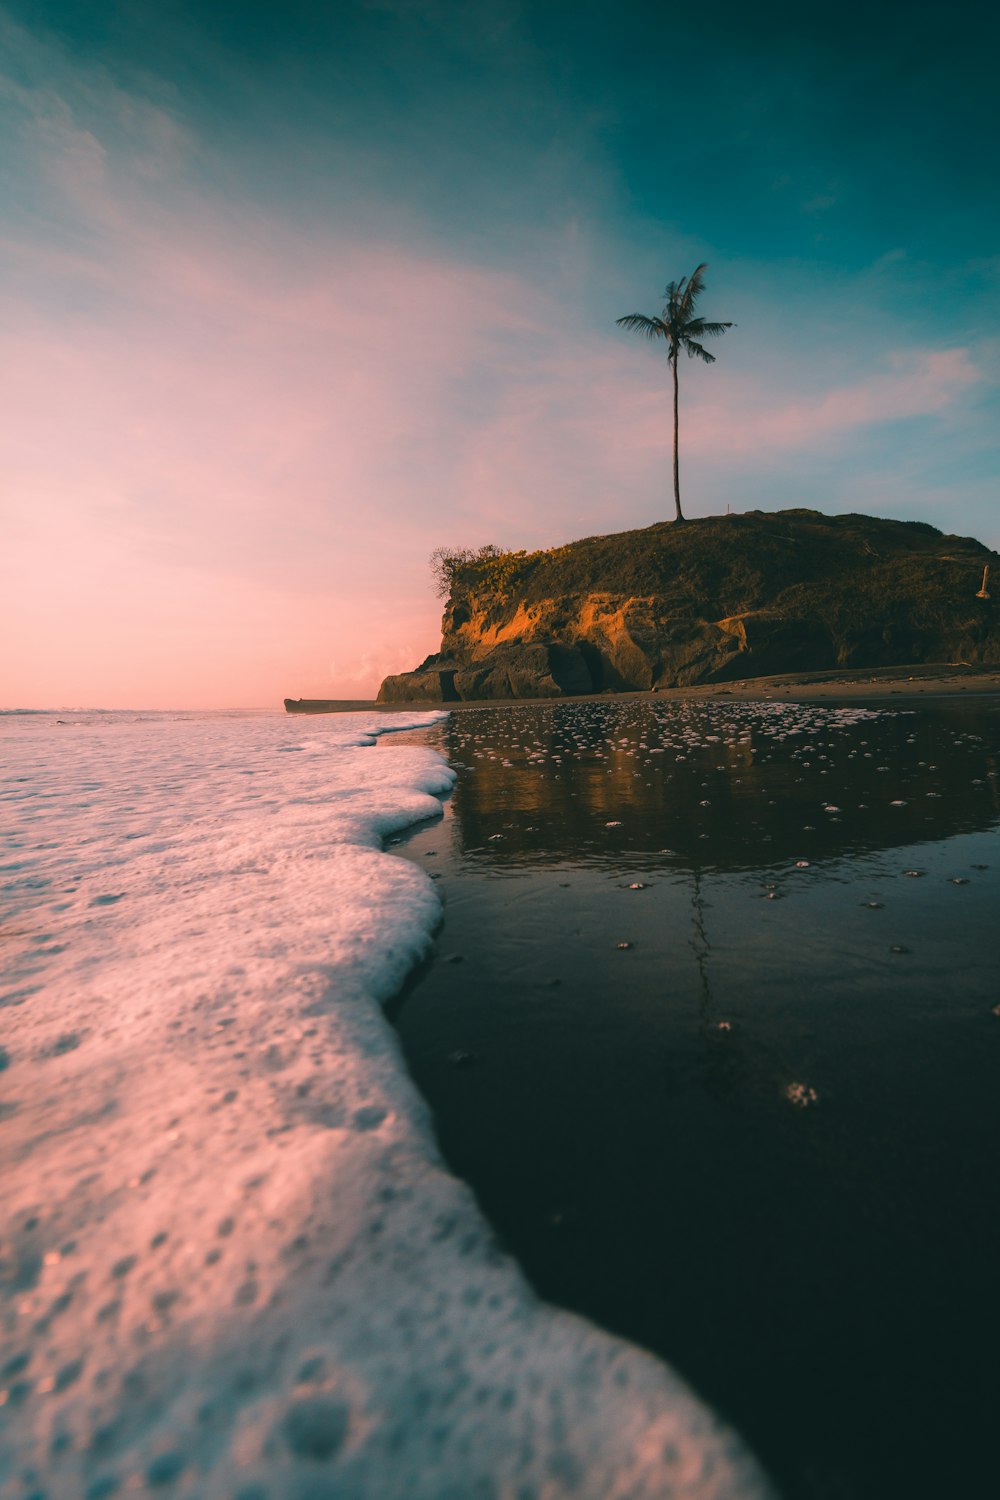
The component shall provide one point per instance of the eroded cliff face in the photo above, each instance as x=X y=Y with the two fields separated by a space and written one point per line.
x=710 y=601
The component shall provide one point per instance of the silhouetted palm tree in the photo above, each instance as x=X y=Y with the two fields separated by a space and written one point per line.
x=680 y=328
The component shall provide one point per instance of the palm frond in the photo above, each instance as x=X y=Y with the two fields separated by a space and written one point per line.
x=650 y=328
x=696 y=349
x=698 y=328
x=693 y=290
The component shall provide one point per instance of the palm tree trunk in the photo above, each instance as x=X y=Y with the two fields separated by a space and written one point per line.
x=677 y=480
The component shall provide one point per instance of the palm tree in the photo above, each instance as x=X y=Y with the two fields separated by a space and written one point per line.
x=680 y=328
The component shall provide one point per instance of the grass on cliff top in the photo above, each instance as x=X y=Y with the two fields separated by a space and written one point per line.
x=723 y=565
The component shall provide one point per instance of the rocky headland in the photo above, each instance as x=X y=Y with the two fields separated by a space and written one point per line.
x=708 y=601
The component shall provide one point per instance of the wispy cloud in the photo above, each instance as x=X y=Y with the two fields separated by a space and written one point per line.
x=230 y=426
x=582 y=428
x=916 y=383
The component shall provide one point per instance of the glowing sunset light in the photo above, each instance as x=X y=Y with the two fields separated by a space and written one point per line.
x=260 y=361
x=538 y=1080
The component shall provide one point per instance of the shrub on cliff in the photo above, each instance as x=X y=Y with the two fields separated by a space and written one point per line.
x=488 y=567
x=448 y=562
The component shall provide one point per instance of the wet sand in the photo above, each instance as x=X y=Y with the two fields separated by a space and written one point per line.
x=713 y=1033
x=816 y=687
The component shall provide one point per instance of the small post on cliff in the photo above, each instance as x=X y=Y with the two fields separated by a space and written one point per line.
x=986 y=578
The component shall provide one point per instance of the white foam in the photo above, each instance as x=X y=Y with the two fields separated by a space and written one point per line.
x=233 y=1263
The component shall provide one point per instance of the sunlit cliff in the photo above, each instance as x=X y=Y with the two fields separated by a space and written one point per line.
x=713 y=600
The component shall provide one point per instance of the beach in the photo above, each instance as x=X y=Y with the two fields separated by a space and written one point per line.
x=682 y=1135
x=555 y=1053
x=920 y=680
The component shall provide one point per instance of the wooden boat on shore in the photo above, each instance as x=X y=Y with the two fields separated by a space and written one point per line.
x=326 y=705
x=310 y=706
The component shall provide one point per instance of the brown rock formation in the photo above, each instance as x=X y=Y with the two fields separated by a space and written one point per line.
x=713 y=600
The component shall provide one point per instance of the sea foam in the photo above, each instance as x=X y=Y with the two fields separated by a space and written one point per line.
x=233 y=1264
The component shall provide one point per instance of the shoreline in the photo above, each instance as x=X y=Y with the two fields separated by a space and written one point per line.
x=919 y=681
x=330 y=1311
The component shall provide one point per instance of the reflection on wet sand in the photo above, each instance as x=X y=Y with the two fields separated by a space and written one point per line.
x=715 y=785
x=722 y=978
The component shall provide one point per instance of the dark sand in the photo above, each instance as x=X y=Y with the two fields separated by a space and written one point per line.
x=758 y=1138
x=919 y=681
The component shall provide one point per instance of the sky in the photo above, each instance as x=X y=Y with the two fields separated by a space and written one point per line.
x=295 y=293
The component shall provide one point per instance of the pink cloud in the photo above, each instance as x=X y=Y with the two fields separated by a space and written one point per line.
x=286 y=456
x=588 y=426
x=230 y=442
x=226 y=487
x=917 y=383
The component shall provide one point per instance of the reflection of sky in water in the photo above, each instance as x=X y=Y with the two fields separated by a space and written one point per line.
x=732 y=1099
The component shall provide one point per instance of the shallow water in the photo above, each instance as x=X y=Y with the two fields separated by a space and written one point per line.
x=712 y=1034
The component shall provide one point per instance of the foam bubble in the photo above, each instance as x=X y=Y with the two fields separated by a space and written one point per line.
x=235 y=1263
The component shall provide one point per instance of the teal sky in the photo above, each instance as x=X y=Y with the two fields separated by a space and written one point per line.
x=298 y=292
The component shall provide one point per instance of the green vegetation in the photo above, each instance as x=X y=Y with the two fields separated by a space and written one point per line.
x=680 y=329
x=487 y=569
x=726 y=565
x=449 y=563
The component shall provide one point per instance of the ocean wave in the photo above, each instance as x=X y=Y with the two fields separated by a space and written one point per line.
x=237 y=1262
